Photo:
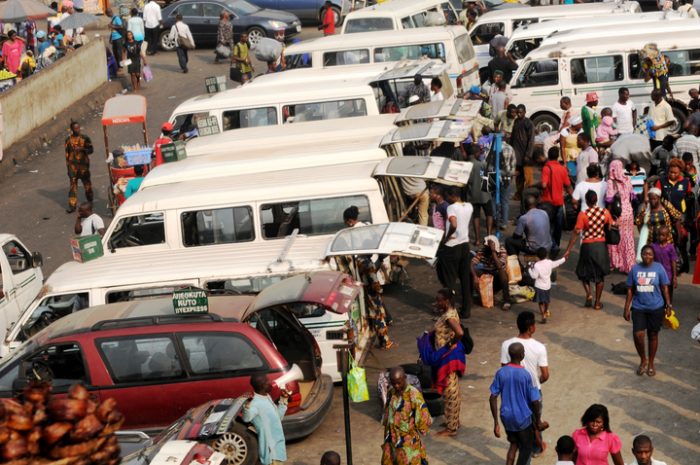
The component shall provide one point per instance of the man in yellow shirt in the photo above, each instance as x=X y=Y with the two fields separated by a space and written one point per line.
x=240 y=58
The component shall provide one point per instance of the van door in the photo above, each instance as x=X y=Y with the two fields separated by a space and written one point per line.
x=23 y=277
x=538 y=85
x=8 y=304
x=405 y=239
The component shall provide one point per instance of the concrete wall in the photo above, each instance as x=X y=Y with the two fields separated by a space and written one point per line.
x=35 y=101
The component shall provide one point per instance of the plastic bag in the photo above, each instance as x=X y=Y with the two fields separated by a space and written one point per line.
x=520 y=294
x=147 y=74
x=486 y=290
x=267 y=49
x=357 y=383
x=671 y=321
x=513 y=269
x=433 y=18
x=223 y=51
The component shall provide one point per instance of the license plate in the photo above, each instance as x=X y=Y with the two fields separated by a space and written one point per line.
x=299 y=28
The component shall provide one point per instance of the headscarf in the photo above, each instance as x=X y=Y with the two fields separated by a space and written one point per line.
x=618 y=182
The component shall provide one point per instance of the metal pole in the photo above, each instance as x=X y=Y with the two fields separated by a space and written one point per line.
x=498 y=147
x=342 y=351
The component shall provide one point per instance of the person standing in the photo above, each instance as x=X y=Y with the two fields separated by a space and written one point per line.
x=132 y=51
x=12 y=50
x=593 y=182
x=136 y=26
x=240 y=58
x=587 y=156
x=590 y=118
x=455 y=248
x=595 y=440
x=555 y=180
x=479 y=199
x=522 y=139
x=642 y=449
x=180 y=30
x=153 y=23
x=224 y=35
x=568 y=143
x=622 y=255
x=88 y=222
x=661 y=116
x=327 y=19
x=648 y=301
x=593 y=262
x=266 y=417
x=499 y=93
x=665 y=254
x=624 y=112
x=78 y=149
x=166 y=129
x=520 y=403
x=116 y=25
x=501 y=210
x=505 y=120
x=405 y=420
x=501 y=62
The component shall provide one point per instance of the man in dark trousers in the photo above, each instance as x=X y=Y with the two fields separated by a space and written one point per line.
x=78 y=148
x=522 y=139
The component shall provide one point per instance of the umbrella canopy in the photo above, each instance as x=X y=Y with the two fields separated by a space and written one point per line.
x=77 y=20
x=14 y=11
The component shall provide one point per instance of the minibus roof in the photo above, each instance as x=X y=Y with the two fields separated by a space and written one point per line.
x=378 y=38
x=397 y=7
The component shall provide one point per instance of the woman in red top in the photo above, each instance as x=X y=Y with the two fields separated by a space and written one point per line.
x=593 y=260
x=595 y=440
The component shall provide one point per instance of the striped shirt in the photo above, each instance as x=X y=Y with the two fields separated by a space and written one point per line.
x=691 y=144
x=637 y=180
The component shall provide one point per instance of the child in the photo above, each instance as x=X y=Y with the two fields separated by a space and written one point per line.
x=690 y=172
x=638 y=177
x=665 y=254
x=566 y=448
x=606 y=133
x=541 y=272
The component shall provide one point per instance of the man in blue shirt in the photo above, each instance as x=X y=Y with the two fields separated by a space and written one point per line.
x=520 y=402
x=532 y=230
x=116 y=25
x=266 y=417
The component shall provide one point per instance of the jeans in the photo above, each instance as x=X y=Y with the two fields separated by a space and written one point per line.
x=454 y=265
x=557 y=227
x=502 y=210
x=182 y=57
x=117 y=46
x=152 y=39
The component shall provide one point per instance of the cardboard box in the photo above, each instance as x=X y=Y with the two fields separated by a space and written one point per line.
x=87 y=248
x=173 y=152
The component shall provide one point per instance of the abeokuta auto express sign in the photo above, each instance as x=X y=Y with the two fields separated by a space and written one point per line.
x=190 y=300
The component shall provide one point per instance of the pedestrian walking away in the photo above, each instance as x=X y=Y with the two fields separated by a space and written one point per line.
x=520 y=403
x=116 y=38
x=224 y=37
x=405 y=420
x=136 y=26
x=153 y=23
x=555 y=180
x=327 y=19
x=78 y=149
x=642 y=449
x=648 y=301
x=88 y=222
x=595 y=440
x=266 y=417
x=181 y=35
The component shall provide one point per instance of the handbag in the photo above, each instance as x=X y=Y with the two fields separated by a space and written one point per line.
x=147 y=73
x=467 y=341
x=357 y=383
x=235 y=74
x=184 y=41
x=615 y=206
x=612 y=234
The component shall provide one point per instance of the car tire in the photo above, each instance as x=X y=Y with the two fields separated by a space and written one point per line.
x=255 y=34
x=165 y=42
x=681 y=116
x=239 y=445
x=545 y=122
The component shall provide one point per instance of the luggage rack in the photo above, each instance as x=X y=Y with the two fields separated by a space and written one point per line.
x=154 y=320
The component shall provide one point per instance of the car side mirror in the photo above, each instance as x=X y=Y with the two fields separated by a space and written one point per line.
x=37 y=260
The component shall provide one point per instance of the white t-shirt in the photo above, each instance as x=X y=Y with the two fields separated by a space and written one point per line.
x=91 y=225
x=152 y=15
x=623 y=116
x=462 y=211
x=585 y=158
x=541 y=272
x=600 y=188
x=535 y=357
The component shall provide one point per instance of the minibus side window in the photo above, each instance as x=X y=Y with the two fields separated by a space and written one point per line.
x=419 y=19
x=521 y=48
x=407 y=23
x=449 y=12
x=409 y=52
x=317 y=111
x=187 y=124
x=596 y=69
x=138 y=230
x=539 y=73
x=369 y=24
x=522 y=22
x=464 y=47
x=310 y=217
x=249 y=118
x=485 y=32
x=684 y=62
x=346 y=57
x=298 y=60
x=219 y=226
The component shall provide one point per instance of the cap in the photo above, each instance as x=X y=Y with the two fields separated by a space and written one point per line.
x=167 y=126
x=40 y=34
x=575 y=120
x=591 y=97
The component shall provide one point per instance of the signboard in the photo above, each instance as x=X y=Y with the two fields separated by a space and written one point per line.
x=190 y=300
x=215 y=84
x=174 y=151
x=207 y=126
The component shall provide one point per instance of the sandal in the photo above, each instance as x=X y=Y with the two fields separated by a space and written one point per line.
x=543 y=321
x=598 y=306
x=447 y=432
x=642 y=368
x=651 y=371
x=589 y=302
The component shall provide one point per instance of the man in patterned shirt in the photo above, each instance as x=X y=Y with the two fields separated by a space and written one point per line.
x=491 y=259
x=78 y=148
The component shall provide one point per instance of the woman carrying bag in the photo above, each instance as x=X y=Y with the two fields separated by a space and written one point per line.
x=180 y=33
x=622 y=256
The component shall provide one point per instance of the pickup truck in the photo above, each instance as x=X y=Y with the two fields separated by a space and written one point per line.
x=20 y=279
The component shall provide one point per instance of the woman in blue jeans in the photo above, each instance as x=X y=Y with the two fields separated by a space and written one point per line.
x=647 y=303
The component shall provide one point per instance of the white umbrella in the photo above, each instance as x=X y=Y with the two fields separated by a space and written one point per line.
x=77 y=20
x=14 y=11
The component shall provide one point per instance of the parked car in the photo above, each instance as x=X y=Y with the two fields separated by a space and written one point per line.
x=309 y=11
x=178 y=452
x=202 y=16
x=158 y=364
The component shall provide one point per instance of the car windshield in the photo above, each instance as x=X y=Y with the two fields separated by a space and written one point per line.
x=242 y=8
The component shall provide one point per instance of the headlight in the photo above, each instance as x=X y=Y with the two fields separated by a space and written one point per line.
x=278 y=25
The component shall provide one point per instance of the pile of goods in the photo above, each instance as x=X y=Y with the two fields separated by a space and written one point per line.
x=39 y=429
x=5 y=74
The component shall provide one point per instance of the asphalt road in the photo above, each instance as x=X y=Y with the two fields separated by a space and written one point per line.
x=592 y=358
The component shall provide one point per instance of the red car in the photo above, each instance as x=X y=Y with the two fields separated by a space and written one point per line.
x=158 y=364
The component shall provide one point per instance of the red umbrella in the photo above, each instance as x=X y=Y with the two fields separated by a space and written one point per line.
x=14 y=11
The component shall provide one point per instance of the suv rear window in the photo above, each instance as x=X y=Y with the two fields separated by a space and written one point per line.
x=141 y=359
x=212 y=353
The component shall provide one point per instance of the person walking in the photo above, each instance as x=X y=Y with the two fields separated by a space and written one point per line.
x=266 y=417
x=78 y=148
x=624 y=112
x=648 y=301
x=665 y=254
x=480 y=200
x=541 y=272
x=455 y=248
x=327 y=19
x=240 y=58
x=619 y=185
x=662 y=118
x=136 y=26
x=447 y=332
x=520 y=403
x=595 y=440
x=405 y=420
x=224 y=36
x=499 y=93
x=116 y=25
x=153 y=23
x=522 y=139
x=133 y=52
x=181 y=35
x=555 y=180
x=678 y=190
x=593 y=261
x=658 y=213
x=642 y=449
x=593 y=182
x=88 y=222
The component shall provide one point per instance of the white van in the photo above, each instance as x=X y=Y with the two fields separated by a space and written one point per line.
x=610 y=62
x=528 y=37
x=504 y=22
x=451 y=44
x=20 y=279
x=395 y=15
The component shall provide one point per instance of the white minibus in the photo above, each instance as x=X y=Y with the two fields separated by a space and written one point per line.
x=395 y=15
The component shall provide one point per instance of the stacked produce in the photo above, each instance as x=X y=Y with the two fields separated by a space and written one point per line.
x=41 y=429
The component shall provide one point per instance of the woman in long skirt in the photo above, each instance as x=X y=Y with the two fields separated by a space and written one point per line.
x=622 y=256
